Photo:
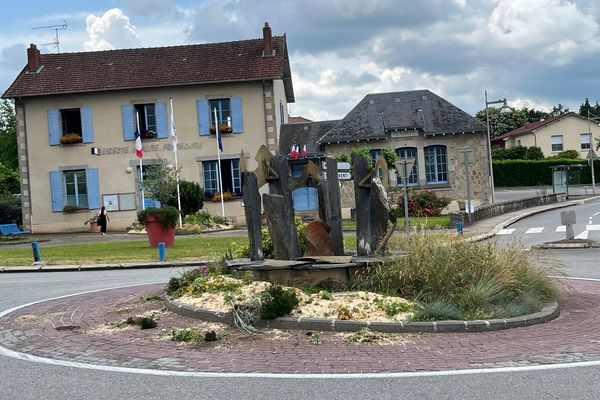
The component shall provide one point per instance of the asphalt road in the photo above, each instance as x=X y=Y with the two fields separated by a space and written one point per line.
x=29 y=380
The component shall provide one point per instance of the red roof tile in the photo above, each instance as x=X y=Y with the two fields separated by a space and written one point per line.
x=298 y=120
x=532 y=126
x=155 y=67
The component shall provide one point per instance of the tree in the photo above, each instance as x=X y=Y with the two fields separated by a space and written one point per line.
x=160 y=182
x=501 y=122
x=8 y=135
x=535 y=115
x=585 y=107
x=559 y=109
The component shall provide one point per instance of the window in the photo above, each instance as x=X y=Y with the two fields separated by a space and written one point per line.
x=146 y=120
x=230 y=173
x=223 y=107
x=409 y=152
x=586 y=141
x=76 y=188
x=557 y=143
x=436 y=164
x=71 y=121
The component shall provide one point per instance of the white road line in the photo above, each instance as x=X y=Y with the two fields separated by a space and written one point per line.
x=561 y=228
x=592 y=227
x=596 y=213
x=535 y=230
x=582 y=235
x=505 y=231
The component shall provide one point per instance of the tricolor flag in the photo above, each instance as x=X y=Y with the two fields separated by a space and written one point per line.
x=294 y=152
x=138 y=147
x=303 y=154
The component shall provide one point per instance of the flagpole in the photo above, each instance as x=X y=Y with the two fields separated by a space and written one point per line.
x=175 y=141
x=218 y=133
x=137 y=126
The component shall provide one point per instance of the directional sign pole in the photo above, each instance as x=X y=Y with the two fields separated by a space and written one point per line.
x=405 y=169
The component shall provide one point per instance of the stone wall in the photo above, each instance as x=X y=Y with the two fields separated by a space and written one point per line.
x=493 y=210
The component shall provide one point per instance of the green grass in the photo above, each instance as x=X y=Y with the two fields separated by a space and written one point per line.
x=128 y=251
x=8 y=240
x=441 y=221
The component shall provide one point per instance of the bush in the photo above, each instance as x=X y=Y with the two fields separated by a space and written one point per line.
x=192 y=197
x=167 y=216
x=202 y=218
x=244 y=251
x=420 y=204
x=176 y=285
x=570 y=154
x=364 y=152
x=476 y=278
x=437 y=310
x=146 y=322
x=518 y=153
x=534 y=172
x=277 y=302
x=10 y=212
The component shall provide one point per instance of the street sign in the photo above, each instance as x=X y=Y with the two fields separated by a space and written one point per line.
x=343 y=166
x=466 y=156
x=591 y=155
x=409 y=162
x=344 y=176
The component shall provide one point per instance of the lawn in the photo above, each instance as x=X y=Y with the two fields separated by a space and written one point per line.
x=441 y=221
x=129 y=251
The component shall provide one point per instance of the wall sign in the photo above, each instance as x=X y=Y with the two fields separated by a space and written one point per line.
x=154 y=147
x=401 y=134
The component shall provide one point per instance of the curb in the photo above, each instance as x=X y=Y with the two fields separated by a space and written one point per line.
x=101 y=267
x=512 y=220
x=548 y=313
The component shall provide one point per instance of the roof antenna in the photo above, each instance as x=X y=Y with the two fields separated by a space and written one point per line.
x=55 y=28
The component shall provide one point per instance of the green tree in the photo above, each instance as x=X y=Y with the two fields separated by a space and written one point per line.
x=502 y=122
x=559 y=109
x=535 y=115
x=8 y=135
x=586 y=106
x=160 y=182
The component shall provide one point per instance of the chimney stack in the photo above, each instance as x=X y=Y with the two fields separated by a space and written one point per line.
x=267 y=41
x=33 y=59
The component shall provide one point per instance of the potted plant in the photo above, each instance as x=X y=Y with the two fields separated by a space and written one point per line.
x=94 y=227
x=70 y=138
x=223 y=128
x=160 y=224
x=70 y=209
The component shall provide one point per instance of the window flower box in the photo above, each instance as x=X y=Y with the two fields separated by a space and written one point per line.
x=71 y=138
x=223 y=128
x=148 y=135
x=227 y=196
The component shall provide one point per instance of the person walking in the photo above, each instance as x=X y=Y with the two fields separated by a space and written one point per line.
x=103 y=219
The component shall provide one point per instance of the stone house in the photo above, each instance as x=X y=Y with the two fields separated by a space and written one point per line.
x=78 y=115
x=417 y=124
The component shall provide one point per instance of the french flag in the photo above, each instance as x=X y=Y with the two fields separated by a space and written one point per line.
x=138 y=147
x=303 y=154
x=294 y=151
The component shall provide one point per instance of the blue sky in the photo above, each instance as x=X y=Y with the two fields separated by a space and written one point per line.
x=536 y=53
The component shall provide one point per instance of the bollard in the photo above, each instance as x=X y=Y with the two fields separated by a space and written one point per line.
x=459 y=227
x=36 y=251
x=161 y=251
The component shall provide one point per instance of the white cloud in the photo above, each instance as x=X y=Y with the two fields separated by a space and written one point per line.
x=112 y=30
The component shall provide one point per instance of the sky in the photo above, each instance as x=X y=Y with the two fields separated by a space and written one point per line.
x=534 y=53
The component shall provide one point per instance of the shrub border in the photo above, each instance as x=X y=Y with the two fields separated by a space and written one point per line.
x=548 y=313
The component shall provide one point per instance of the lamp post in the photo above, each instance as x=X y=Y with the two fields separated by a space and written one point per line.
x=592 y=154
x=489 y=139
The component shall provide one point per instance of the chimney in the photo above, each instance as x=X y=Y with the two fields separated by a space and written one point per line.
x=267 y=41
x=33 y=59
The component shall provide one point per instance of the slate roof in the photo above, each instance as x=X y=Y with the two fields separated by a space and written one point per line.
x=155 y=67
x=304 y=134
x=534 y=126
x=379 y=113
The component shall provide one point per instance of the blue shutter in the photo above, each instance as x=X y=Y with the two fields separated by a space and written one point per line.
x=128 y=121
x=56 y=190
x=237 y=119
x=162 y=124
x=54 y=126
x=203 y=120
x=93 y=188
x=87 y=126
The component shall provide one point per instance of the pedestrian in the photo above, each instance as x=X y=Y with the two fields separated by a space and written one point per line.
x=103 y=219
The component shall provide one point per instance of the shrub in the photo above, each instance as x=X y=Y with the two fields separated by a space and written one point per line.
x=390 y=157
x=192 y=197
x=277 y=302
x=244 y=251
x=420 y=204
x=437 y=310
x=364 y=152
x=188 y=335
x=518 y=153
x=202 y=218
x=568 y=154
x=167 y=216
x=177 y=284
x=146 y=322
x=10 y=212
x=535 y=172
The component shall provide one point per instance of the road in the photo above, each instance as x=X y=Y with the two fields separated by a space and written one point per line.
x=546 y=227
x=29 y=380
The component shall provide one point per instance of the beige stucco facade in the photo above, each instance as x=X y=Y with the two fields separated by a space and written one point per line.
x=569 y=129
x=456 y=187
x=117 y=161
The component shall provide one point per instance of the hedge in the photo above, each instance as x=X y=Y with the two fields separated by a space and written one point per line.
x=535 y=172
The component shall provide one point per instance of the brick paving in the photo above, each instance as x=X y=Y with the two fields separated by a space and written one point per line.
x=574 y=336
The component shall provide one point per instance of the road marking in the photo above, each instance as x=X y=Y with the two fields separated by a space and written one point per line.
x=505 y=231
x=582 y=235
x=592 y=227
x=535 y=230
x=562 y=228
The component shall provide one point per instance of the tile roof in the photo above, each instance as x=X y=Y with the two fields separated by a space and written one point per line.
x=379 y=113
x=155 y=67
x=307 y=133
x=533 y=126
x=298 y=120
